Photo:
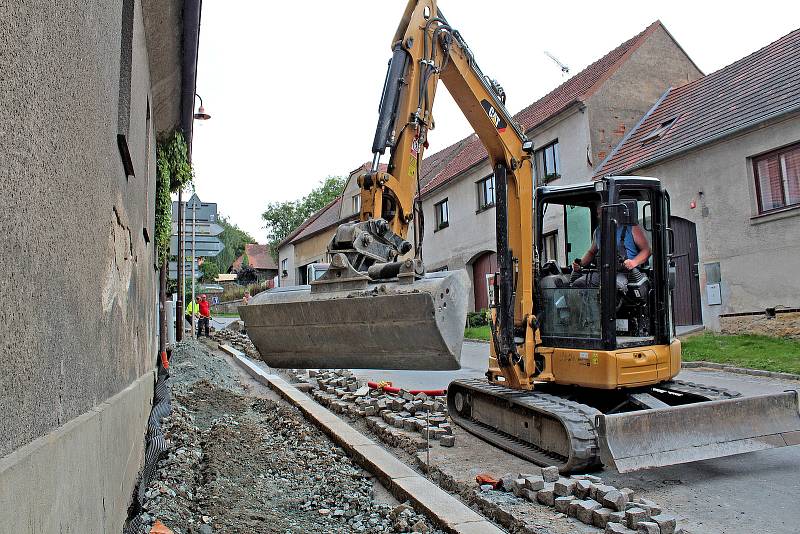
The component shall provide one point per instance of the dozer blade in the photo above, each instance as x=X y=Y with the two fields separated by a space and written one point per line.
x=388 y=325
x=691 y=432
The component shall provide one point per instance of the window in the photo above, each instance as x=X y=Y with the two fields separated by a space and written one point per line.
x=356 y=200
x=659 y=132
x=486 y=193
x=547 y=159
x=442 y=215
x=777 y=177
x=550 y=251
x=284 y=265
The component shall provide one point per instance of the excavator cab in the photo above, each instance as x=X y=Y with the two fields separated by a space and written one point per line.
x=603 y=305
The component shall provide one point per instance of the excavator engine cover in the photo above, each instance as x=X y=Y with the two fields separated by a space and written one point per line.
x=385 y=325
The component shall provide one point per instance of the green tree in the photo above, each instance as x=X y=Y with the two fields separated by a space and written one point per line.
x=282 y=218
x=245 y=261
x=209 y=271
x=234 y=239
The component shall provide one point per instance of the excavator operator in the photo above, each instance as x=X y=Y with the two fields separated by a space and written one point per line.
x=633 y=250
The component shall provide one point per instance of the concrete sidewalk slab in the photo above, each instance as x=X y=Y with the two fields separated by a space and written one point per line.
x=444 y=509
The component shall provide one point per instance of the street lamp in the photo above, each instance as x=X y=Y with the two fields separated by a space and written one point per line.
x=201 y=114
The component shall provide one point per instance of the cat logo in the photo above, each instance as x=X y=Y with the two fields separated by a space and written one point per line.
x=499 y=123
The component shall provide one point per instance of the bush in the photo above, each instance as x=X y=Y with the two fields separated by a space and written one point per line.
x=478 y=318
x=236 y=292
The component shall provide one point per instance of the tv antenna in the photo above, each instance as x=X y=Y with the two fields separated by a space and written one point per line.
x=564 y=68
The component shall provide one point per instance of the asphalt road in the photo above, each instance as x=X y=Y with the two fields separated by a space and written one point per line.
x=756 y=492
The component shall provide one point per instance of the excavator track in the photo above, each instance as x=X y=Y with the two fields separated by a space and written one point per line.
x=545 y=428
x=542 y=428
x=699 y=391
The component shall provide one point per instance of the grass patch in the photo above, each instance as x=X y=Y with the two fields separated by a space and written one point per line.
x=754 y=352
x=478 y=332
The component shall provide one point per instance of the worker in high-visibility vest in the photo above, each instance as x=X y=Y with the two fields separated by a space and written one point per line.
x=192 y=309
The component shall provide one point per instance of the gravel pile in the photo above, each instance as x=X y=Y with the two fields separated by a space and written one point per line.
x=243 y=464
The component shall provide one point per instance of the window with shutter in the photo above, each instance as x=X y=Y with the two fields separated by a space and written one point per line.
x=777 y=176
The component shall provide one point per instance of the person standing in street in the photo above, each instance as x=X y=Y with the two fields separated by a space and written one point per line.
x=205 y=316
x=192 y=309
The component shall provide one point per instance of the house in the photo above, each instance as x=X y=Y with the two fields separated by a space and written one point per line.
x=308 y=243
x=259 y=257
x=87 y=90
x=727 y=148
x=574 y=127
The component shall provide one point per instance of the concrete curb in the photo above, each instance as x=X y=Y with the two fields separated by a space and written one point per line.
x=739 y=370
x=403 y=482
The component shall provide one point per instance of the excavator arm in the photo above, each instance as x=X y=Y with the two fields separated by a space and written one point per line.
x=403 y=317
x=425 y=50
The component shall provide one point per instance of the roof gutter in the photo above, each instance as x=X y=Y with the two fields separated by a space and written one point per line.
x=714 y=138
x=191 y=44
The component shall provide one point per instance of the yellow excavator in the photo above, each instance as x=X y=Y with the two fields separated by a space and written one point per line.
x=583 y=358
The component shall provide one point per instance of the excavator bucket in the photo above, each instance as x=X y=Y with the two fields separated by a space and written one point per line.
x=385 y=325
x=680 y=434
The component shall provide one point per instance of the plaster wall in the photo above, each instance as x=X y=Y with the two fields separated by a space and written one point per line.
x=312 y=250
x=758 y=255
x=286 y=252
x=78 y=317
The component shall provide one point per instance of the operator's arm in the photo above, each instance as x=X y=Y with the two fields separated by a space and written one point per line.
x=587 y=258
x=644 y=248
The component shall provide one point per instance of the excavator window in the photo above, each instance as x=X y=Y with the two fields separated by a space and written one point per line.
x=601 y=302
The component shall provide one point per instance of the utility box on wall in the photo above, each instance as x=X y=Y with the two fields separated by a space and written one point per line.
x=713 y=284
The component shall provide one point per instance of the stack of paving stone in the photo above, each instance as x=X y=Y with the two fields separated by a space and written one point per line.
x=587 y=499
x=389 y=416
x=237 y=340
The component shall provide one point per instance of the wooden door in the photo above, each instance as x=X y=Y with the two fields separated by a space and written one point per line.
x=686 y=296
x=484 y=264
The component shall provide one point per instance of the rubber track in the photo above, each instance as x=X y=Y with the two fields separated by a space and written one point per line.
x=577 y=419
x=699 y=390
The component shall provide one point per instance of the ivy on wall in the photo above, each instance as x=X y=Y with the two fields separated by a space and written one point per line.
x=173 y=172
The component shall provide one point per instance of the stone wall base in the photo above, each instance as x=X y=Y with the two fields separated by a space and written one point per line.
x=80 y=477
x=782 y=325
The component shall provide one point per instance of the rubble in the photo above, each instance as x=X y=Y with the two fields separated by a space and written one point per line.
x=243 y=464
x=412 y=421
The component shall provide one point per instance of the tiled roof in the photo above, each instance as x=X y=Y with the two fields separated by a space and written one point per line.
x=307 y=222
x=258 y=257
x=328 y=216
x=762 y=85
x=576 y=89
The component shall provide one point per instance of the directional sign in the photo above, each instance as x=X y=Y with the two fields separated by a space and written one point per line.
x=201 y=228
x=173 y=271
x=204 y=246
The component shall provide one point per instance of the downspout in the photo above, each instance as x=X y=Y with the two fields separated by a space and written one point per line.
x=190 y=45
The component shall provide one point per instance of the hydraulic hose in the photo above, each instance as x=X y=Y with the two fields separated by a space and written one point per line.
x=391 y=389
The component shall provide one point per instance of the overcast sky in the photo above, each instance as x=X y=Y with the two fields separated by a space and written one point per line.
x=293 y=87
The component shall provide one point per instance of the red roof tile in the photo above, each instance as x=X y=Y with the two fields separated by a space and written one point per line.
x=326 y=217
x=307 y=222
x=576 y=89
x=258 y=257
x=762 y=85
